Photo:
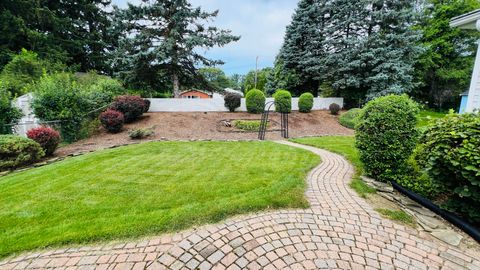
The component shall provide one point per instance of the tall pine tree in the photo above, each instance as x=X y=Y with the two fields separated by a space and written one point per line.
x=162 y=38
x=359 y=49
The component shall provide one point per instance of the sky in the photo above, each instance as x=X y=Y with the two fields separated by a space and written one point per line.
x=260 y=23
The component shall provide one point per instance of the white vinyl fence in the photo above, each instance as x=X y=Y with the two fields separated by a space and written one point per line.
x=216 y=104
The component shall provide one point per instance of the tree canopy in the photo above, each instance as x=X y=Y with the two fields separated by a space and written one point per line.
x=161 y=39
x=361 y=48
x=444 y=68
x=73 y=32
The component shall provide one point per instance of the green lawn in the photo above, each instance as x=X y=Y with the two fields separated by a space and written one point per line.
x=345 y=146
x=426 y=116
x=147 y=189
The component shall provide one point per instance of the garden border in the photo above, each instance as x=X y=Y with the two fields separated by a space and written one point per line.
x=449 y=216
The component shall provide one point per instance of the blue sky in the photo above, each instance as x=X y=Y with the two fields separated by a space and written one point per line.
x=260 y=23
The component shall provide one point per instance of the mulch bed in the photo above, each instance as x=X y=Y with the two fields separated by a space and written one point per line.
x=205 y=126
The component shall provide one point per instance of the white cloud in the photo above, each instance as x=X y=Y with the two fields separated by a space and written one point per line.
x=260 y=23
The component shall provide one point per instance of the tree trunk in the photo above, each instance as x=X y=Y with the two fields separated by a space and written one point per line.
x=176 y=85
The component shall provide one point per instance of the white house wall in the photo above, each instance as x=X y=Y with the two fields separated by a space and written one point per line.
x=473 y=102
x=216 y=104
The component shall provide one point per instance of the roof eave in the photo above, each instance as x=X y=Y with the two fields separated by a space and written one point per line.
x=466 y=21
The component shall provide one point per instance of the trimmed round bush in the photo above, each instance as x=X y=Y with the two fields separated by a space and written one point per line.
x=334 y=108
x=449 y=151
x=386 y=136
x=283 y=101
x=47 y=137
x=232 y=101
x=255 y=100
x=146 y=108
x=305 y=103
x=112 y=120
x=132 y=107
x=350 y=118
x=17 y=151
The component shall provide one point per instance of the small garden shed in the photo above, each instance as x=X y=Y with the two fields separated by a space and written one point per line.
x=471 y=21
x=195 y=94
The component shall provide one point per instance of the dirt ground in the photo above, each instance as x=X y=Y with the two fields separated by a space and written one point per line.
x=208 y=126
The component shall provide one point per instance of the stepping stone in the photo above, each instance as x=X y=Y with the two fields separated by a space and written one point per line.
x=448 y=236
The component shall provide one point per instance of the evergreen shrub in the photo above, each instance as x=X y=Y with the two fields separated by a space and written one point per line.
x=255 y=101
x=350 y=118
x=305 y=103
x=283 y=101
x=17 y=151
x=386 y=136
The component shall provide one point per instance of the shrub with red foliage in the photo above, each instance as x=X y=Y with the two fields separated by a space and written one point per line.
x=112 y=120
x=47 y=137
x=132 y=107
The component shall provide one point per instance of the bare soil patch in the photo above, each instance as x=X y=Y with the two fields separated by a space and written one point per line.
x=207 y=126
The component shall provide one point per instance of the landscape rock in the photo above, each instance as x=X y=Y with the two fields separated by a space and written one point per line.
x=448 y=236
x=429 y=223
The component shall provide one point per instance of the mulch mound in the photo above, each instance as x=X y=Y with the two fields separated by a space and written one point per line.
x=208 y=126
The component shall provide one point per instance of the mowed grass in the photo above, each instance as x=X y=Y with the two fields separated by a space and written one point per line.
x=426 y=117
x=345 y=146
x=147 y=189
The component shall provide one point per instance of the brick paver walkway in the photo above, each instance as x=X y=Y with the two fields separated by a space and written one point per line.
x=340 y=230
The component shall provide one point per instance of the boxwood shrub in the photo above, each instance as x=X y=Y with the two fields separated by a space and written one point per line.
x=255 y=101
x=386 y=136
x=17 y=151
x=305 y=103
x=450 y=153
x=350 y=118
x=283 y=101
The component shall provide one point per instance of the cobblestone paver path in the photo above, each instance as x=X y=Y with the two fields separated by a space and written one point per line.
x=339 y=231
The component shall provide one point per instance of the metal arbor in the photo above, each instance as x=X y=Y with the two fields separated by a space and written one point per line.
x=264 y=122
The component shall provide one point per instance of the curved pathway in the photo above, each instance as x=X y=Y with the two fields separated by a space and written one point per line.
x=339 y=230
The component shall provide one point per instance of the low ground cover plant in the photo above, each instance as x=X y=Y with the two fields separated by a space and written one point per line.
x=112 y=120
x=140 y=133
x=255 y=101
x=247 y=125
x=386 y=136
x=47 y=137
x=232 y=101
x=17 y=151
x=350 y=118
x=132 y=107
x=283 y=101
x=305 y=103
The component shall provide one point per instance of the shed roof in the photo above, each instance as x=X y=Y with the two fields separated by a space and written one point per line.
x=467 y=20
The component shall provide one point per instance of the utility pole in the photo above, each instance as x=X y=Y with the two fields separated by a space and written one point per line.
x=256 y=71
